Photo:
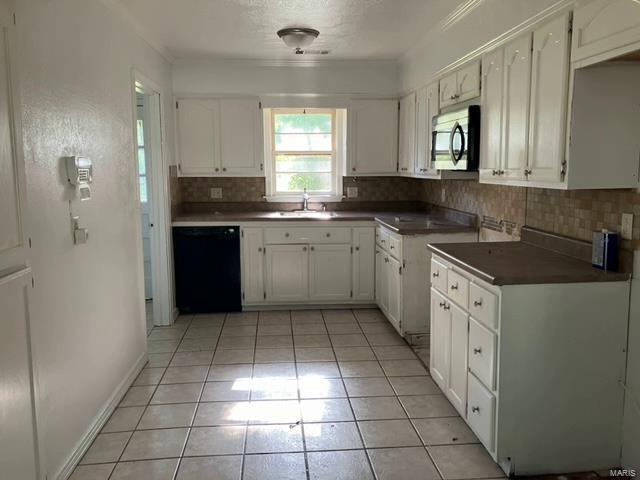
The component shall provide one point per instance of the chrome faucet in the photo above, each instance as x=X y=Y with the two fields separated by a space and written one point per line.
x=305 y=200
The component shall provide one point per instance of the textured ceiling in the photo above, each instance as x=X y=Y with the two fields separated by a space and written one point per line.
x=363 y=29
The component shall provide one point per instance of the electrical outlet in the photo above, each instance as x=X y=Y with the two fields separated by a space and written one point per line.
x=352 y=192
x=443 y=195
x=626 y=230
x=215 y=192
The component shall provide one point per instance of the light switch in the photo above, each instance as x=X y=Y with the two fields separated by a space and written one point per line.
x=352 y=192
x=215 y=192
x=626 y=230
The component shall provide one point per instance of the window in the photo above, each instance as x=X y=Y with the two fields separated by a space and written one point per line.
x=142 y=166
x=305 y=153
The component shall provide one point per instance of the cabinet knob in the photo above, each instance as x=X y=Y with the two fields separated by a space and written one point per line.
x=527 y=172
x=477 y=351
x=217 y=169
x=494 y=172
x=386 y=259
x=447 y=307
x=454 y=287
x=475 y=409
x=304 y=249
x=328 y=234
x=391 y=247
x=259 y=249
x=286 y=234
x=477 y=303
x=224 y=169
x=312 y=248
x=353 y=169
x=443 y=304
x=435 y=274
x=500 y=172
x=357 y=249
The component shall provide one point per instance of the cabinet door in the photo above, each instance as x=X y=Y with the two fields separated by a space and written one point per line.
x=381 y=281
x=547 y=119
x=515 y=127
x=426 y=109
x=198 y=137
x=491 y=124
x=373 y=137
x=440 y=339
x=364 y=263
x=240 y=137
x=252 y=265
x=459 y=362
x=602 y=26
x=468 y=82
x=394 y=288
x=448 y=90
x=287 y=273
x=330 y=272
x=407 y=135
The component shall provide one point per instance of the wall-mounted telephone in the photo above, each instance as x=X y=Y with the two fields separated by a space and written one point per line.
x=80 y=175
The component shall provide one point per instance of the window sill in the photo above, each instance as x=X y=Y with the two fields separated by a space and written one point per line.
x=297 y=198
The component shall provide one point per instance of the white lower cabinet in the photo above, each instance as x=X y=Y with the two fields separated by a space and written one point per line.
x=533 y=369
x=403 y=266
x=330 y=273
x=309 y=263
x=287 y=273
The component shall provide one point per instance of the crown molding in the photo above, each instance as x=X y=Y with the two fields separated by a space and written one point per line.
x=286 y=62
x=118 y=8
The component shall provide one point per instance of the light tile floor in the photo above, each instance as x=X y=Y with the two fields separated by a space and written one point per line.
x=316 y=395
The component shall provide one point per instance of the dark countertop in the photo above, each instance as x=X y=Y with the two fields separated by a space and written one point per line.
x=404 y=223
x=521 y=263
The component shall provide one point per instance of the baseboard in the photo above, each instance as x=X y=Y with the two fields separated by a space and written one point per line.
x=319 y=306
x=101 y=419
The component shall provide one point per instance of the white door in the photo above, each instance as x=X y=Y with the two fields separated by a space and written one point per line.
x=440 y=339
x=287 y=273
x=407 y=135
x=18 y=438
x=144 y=175
x=394 y=288
x=491 y=124
x=547 y=117
x=426 y=108
x=448 y=90
x=364 y=259
x=330 y=272
x=198 y=137
x=459 y=365
x=241 y=137
x=252 y=265
x=373 y=137
x=517 y=89
x=468 y=82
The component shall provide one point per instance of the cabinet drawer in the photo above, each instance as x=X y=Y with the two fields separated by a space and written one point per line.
x=482 y=353
x=458 y=288
x=395 y=246
x=439 y=275
x=285 y=235
x=382 y=238
x=483 y=305
x=481 y=413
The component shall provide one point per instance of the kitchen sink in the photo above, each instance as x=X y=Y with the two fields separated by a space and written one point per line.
x=304 y=214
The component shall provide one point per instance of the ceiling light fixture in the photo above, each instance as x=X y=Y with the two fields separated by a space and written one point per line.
x=298 y=37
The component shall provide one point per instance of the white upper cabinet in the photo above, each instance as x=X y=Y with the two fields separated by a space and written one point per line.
x=605 y=26
x=241 y=136
x=372 y=137
x=491 y=124
x=407 y=135
x=219 y=137
x=461 y=85
x=198 y=137
x=515 y=114
x=427 y=104
x=548 y=108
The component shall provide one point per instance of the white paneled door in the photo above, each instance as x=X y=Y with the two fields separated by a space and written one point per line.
x=18 y=438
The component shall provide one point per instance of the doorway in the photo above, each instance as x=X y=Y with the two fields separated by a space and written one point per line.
x=151 y=172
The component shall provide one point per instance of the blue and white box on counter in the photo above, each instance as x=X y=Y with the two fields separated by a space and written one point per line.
x=605 y=250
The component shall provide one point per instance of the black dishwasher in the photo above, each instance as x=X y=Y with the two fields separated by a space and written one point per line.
x=207 y=269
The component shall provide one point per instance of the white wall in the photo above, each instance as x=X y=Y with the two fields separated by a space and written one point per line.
x=255 y=77
x=440 y=48
x=631 y=441
x=76 y=60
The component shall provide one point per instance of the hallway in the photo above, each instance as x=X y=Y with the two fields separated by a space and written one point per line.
x=282 y=395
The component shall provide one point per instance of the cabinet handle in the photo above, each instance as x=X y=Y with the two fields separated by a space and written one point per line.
x=527 y=172
x=477 y=303
x=386 y=259
x=382 y=241
x=304 y=249
x=391 y=247
x=442 y=304
x=435 y=274
x=477 y=351
x=447 y=307
x=286 y=234
x=454 y=287
x=475 y=409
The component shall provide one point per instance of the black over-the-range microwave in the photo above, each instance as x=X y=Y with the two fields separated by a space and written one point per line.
x=456 y=139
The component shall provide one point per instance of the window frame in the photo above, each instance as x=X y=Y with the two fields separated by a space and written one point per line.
x=338 y=154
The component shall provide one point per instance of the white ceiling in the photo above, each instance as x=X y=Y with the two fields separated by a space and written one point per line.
x=350 y=29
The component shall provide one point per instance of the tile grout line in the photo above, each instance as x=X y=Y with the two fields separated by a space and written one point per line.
x=249 y=400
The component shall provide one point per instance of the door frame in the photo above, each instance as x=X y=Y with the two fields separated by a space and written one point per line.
x=164 y=312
